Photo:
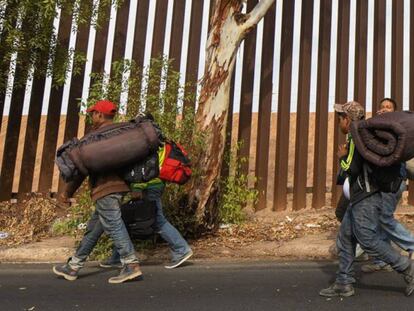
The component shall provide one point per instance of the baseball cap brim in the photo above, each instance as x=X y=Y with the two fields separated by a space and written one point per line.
x=338 y=108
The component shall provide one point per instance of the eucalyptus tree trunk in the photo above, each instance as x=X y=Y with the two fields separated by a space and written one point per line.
x=229 y=26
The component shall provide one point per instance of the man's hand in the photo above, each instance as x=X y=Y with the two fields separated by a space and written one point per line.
x=342 y=150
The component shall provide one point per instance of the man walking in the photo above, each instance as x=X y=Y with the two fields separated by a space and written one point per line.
x=361 y=220
x=107 y=191
x=391 y=228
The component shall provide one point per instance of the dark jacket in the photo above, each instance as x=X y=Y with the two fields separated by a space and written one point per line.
x=101 y=185
x=356 y=169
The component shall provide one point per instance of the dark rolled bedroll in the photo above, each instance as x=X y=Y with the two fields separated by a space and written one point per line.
x=110 y=148
x=385 y=139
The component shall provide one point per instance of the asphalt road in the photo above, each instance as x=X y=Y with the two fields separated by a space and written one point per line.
x=198 y=286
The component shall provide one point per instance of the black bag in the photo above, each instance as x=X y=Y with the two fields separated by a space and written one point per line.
x=386 y=179
x=139 y=217
x=143 y=171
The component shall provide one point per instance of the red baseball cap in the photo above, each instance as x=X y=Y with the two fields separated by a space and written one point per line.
x=105 y=106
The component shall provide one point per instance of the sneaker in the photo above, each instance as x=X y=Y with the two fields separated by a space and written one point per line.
x=180 y=261
x=336 y=289
x=409 y=279
x=110 y=264
x=375 y=267
x=129 y=272
x=66 y=271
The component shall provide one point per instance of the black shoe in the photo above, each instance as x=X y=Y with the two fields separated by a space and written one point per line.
x=110 y=264
x=66 y=271
x=179 y=261
x=129 y=272
x=409 y=279
x=336 y=289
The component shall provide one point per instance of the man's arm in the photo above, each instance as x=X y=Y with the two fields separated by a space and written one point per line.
x=70 y=188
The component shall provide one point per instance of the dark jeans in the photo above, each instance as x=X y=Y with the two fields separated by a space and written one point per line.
x=361 y=223
x=106 y=218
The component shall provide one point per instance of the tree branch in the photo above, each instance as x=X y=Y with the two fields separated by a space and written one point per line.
x=257 y=13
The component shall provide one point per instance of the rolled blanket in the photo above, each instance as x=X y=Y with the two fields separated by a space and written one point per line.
x=109 y=148
x=115 y=146
x=385 y=139
x=66 y=166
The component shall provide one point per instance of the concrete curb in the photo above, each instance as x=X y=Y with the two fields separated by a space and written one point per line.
x=60 y=248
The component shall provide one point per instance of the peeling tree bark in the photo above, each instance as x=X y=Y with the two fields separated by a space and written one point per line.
x=229 y=27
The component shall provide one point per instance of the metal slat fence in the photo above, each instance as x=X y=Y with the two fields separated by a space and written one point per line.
x=289 y=139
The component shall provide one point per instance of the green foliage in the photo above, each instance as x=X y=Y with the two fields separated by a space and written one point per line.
x=78 y=215
x=235 y=192
x=28 y=31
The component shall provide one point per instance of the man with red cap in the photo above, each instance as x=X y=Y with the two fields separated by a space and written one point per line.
x=107 y=190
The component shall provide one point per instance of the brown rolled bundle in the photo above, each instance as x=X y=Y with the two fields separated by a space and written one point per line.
x=385 y=139
x=115 y=146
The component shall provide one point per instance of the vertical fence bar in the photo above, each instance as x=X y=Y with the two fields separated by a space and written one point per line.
x=4 y=71
x=12 y=137
x=361 y=52
x=101 y=38
x=283 y=113
x=13 y=130
x=176 y=42
x=120 y=35
x=246 y=96
x=379 y=54
x=191 y=74
x=121 y=28
x=53 y=115
x=159 y=28
x=157 y=50
x=341 y=92
x=98 y=63
x=138 y=49
x=72 y=116
x=265 y=107
x=140 y=35
x=397 y=62
x=32 y=135
x=177 y=34
x=32 y=131
x=322 y=101
x=302 y=116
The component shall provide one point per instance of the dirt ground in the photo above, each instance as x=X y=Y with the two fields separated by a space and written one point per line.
x=307 y=234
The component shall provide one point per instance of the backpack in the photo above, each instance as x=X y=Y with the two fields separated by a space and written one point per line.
x=386 y=179
x=139 y=217
x=143 y=171
x=176 y=167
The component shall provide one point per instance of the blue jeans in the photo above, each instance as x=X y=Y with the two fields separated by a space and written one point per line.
x=178 y=246
x=361 y=223
x=392 y=229
x=106 y=218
